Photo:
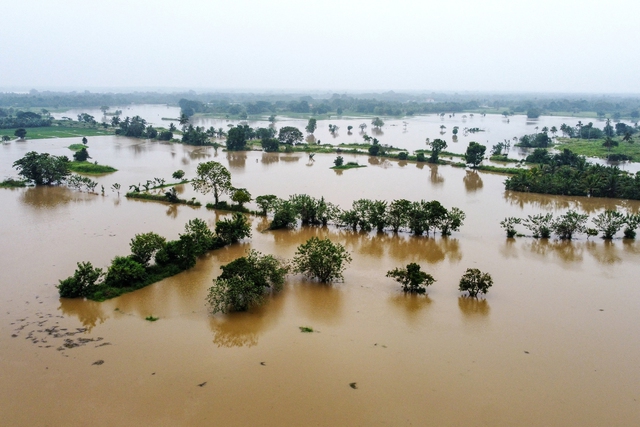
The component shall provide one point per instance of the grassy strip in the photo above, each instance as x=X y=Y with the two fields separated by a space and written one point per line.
x=13 y=183
x=155 y=273
x=348 y=166
x=486 y=168
x=172 y=184
x=161 y=198
x=60 y=132
x=77 y=147
x=224 y=206
x=594 y=147
x=90 y=168
x=503 y=159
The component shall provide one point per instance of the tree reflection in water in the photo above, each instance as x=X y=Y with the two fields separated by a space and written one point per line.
x=89 y=313
x=322 y=303
x=236 y=159
x=242 y=329
x=411 y=305
x=472 y=181
x=434 y=176
x=473 y=308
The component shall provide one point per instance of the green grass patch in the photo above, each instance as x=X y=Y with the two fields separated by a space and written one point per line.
x=61 y=132
x=503 y=159
x=13 y=183
x=90 y=168
x=305 y=329
x=350 y=165
x=77 y=147
x=150 y=318
x=160 y=198
x=594 y=147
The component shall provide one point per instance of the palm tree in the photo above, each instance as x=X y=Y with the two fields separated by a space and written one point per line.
x=184 y=120
x=627 y=137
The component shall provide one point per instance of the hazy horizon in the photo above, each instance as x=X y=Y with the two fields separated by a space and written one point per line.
x=568 y=47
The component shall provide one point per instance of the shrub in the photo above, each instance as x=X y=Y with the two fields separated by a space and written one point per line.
x=82 y=283
x=124 y=272
x=285 y=215
x=509 y=225
x=411 y=278
x=403 y=155
x=321 y=259
x=540 y=225
x=474 y=282
x=145 y=246
x=179 y=174
x=565 y=226
x=609 y=223
x=339 y=161
x=234 y=229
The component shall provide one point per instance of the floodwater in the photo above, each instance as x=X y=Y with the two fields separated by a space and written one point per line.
x=554 y=343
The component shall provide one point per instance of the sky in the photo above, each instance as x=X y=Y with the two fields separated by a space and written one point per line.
x=563 y=46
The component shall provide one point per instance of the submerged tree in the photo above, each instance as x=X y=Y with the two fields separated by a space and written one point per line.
x=411 y=278
x=321 y=259
x=609 y=223
x=212 y=177
x=565 y=226
x=475 y=282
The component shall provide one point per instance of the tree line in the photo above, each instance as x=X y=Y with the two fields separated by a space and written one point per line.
x=10 y=119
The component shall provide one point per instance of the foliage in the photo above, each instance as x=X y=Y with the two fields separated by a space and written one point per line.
x=377 y=122
x=244 y=281
x=82 y=283
x=632 y=221
x=124 y=272
x=212 y=177
x=311 y=126
x=232 y=230
x=145 y=246
x=565 y=226
x=290 y=135
x=437 y=145
x=474 y=282
x=81 y=155
x=509 y=224
x=538 y=140
x=266 y=203
x=411 y=278
x=236 y=139
x=474 y=154
x=195 y=136
x=179 y=174
x=13 y=183
x=609 y=223
x=285 y=215
x=397 y=214
x=201 y=237
x=270 y=145
x=540 y=225
x=78 y=182
x=451 y=221
x=240 y=196
x=403 y=155
x=43 y=169
x=338 y=161
x=321 y=259
x=20 y=133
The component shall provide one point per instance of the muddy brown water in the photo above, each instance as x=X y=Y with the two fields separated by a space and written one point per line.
x=554 y=343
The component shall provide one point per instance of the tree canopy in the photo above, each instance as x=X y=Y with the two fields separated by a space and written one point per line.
x=43 y=168
x=212 y=177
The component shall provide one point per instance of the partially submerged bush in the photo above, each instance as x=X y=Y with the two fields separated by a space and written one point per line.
x=475 y=282
x=83 y=282
x=412 y=279
x=321 y=259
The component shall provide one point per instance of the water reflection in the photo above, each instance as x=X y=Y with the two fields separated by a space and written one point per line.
x=472 y=181
x=473 y=309
x=412 y=306
x=236 y=159
x=199 y=154
x=434 y=176
x=588 y=205
x=431 y=250
x=269 y=158
x=605 y=252
x=290 y=158
x=567 y=251
x=89 y=313
x=243 y=329
x=322 y=303
x=48 y=197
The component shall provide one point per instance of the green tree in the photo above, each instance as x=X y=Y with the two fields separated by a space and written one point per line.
x=270 y=145
x=475 y=154
x=244 y=282
x=199 y=236
x=124 y=272
x=285 y=215
x=609 y=223
x=565 y=226
x=232 y=230
x=397 y=214
x=632 y=221
x=540 y=225
x=509 y=224
x=290 y=135
x=43 y=169
x=85 y=140
x=266 y=202
x=145 y=246
x=475 y=282
x=83 y=282
x=412 y=279
x=377 y=123
x=20 y=133
x=212 y=177
x=339 y=161
x=437 y=145
x=236 y=139
x=240 y=196
x=6 y=138
x=81 y=155
x=311 y=126
x=451 y=221
x=321 y=259
x=179 y=174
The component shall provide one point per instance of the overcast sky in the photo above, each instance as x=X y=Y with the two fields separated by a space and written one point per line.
x=334 y=45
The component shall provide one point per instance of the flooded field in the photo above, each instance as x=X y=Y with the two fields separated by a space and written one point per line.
x=552 y=344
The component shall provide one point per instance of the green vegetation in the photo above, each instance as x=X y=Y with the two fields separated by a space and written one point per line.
x=13 y=183
x=150 y=318
x=77 y=147
x=475 y=282
x=412 y=279
x=245 y=281
x=43 y=169
x=349 y=165
x=169 y=197
x=129 y=273
x=305 y=329
x=212 y=177
x=64 y=131
x=596 y=147
x=321 y=259
x=89 y=168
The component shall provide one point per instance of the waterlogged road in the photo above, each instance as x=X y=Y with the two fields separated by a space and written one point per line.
x=553 y=343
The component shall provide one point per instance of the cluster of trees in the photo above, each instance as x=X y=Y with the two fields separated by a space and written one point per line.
x=136 y=127
x=10 y=119
x=589 y=131
x=128 y=273
x=245 y=281
x=415 y=281
x=540 y=139
x=568 y=174
x=365 y=215
x=571 y=223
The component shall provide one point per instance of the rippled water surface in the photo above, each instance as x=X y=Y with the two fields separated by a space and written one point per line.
x=554 y=343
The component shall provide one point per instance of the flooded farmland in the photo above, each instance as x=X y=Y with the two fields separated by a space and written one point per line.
x=554 y=343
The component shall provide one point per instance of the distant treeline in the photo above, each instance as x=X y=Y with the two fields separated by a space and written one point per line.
x=387 y=103
x=10 y=119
